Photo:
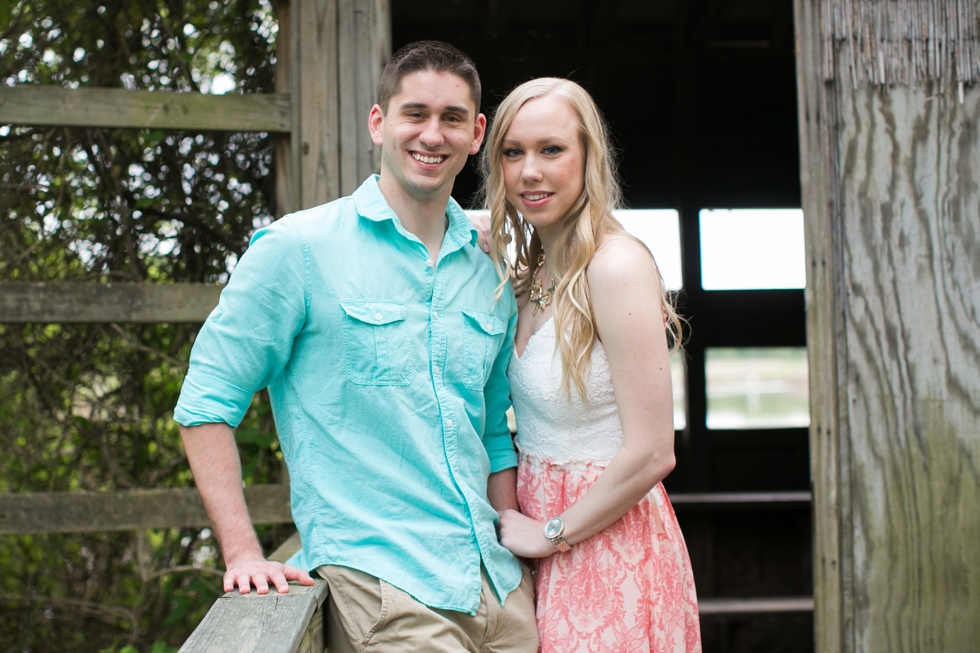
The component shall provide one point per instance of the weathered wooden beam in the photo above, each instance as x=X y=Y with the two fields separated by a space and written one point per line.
x=766 y=605
x=37 y=104
x=890 y=201
x=286 y=197
x=124 y=510
x=116 y=302
x=819 y=174
x=315 y=90
x=271 y=623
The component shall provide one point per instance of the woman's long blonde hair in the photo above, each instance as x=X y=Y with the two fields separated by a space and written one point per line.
x=586 y=225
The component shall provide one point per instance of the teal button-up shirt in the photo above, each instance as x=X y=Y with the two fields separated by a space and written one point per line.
x=387 y=375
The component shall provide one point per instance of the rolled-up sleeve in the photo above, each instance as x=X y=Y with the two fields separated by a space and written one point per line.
x=496 y=435
x=247 y=340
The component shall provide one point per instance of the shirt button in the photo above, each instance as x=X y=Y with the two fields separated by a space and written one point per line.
x=428 y=262
x=435 y=314
x=435 y=370
x=378 y=316
x=449 y=423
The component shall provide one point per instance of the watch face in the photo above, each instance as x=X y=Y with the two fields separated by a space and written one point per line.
x=554 y=527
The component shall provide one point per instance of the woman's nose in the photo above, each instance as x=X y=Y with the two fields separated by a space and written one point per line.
x=530 y=172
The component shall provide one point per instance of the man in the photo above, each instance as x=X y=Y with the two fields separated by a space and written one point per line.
x=372 y=323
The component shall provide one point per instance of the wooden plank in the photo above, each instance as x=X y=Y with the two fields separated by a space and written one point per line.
x=271 y=623
x=768 y=605
x=910 y=235
x=124 y=510
x=819 y=174
x=739 y=500
x=36 y=104
x=315 y=88
x=115 y=302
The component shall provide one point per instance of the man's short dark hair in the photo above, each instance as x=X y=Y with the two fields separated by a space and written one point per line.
x=420 y=56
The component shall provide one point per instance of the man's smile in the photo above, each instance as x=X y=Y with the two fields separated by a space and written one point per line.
x=429 y=158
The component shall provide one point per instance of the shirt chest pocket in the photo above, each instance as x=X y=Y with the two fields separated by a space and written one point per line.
x=482 y=336
x=377 y=343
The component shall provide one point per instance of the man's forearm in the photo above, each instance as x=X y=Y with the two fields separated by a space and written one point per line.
x=214 y=460
x=502 y=489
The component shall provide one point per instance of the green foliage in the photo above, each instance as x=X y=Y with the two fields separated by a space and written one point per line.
x=89 y=407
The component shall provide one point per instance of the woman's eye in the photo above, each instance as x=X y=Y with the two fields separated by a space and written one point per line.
x=511 y=153
x=552 y=150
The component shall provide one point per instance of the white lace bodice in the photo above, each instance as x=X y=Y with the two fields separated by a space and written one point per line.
x=548 y=425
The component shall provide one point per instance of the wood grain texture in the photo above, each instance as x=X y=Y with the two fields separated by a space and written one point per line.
x=819 y=179
x=890 y=194
x=117 y=302
x=271 y=623
x=36 y=104
x=911 y=272
x=124 y=510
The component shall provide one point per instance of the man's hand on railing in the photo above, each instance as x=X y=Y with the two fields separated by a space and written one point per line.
x=260 y=572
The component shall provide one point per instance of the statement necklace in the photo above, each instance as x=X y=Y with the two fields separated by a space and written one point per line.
x=542 y=298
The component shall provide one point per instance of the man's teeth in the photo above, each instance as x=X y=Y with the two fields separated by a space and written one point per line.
x=535 y=197
x=427 y=159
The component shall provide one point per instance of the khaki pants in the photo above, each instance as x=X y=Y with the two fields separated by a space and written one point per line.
x=367 y=614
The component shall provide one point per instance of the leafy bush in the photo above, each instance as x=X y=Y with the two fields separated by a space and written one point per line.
x=89 y=407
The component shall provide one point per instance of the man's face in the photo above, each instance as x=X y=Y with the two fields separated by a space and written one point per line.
x=425 y=136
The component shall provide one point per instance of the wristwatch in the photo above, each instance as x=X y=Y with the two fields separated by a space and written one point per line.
x=553 y=530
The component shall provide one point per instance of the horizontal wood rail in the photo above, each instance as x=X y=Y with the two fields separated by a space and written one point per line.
x=739 y=500
x=39 y=104
x=271 y=623
x=66 y=301
x=767 y=605
x=124 y=510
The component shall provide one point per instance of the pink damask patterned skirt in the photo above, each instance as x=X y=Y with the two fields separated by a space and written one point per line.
x=628 y=588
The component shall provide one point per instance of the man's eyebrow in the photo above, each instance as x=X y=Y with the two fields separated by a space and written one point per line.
x=452 y=108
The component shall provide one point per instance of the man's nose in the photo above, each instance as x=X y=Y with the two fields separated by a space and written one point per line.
x=431 y=135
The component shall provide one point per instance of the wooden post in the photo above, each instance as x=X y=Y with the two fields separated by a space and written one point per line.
x=339 y=50
x=892 y=203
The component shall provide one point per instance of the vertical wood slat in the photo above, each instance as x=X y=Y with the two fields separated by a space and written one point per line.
x=285 y=197
x=315 y=91
x=336 y=73
x=818 y=169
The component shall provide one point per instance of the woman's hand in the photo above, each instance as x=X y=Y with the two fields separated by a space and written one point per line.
x=523 y=536
x=482 y=223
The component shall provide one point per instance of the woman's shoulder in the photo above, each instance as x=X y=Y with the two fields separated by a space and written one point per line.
x=620 y=259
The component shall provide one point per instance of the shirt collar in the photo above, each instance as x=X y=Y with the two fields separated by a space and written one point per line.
x=371 y=205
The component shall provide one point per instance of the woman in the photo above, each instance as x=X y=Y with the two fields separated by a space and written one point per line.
x=590 y=380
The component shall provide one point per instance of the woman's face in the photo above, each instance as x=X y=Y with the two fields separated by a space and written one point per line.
x=543 y=162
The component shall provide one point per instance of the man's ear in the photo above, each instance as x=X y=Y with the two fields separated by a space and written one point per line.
x=375 y=121
x=479 y=131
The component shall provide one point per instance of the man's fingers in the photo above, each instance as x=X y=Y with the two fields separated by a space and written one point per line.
x=261 y=584
x=229 y=579
x=243 y=584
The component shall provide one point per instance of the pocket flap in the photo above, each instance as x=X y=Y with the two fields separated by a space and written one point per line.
x=374 y=312
x=486 y=322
